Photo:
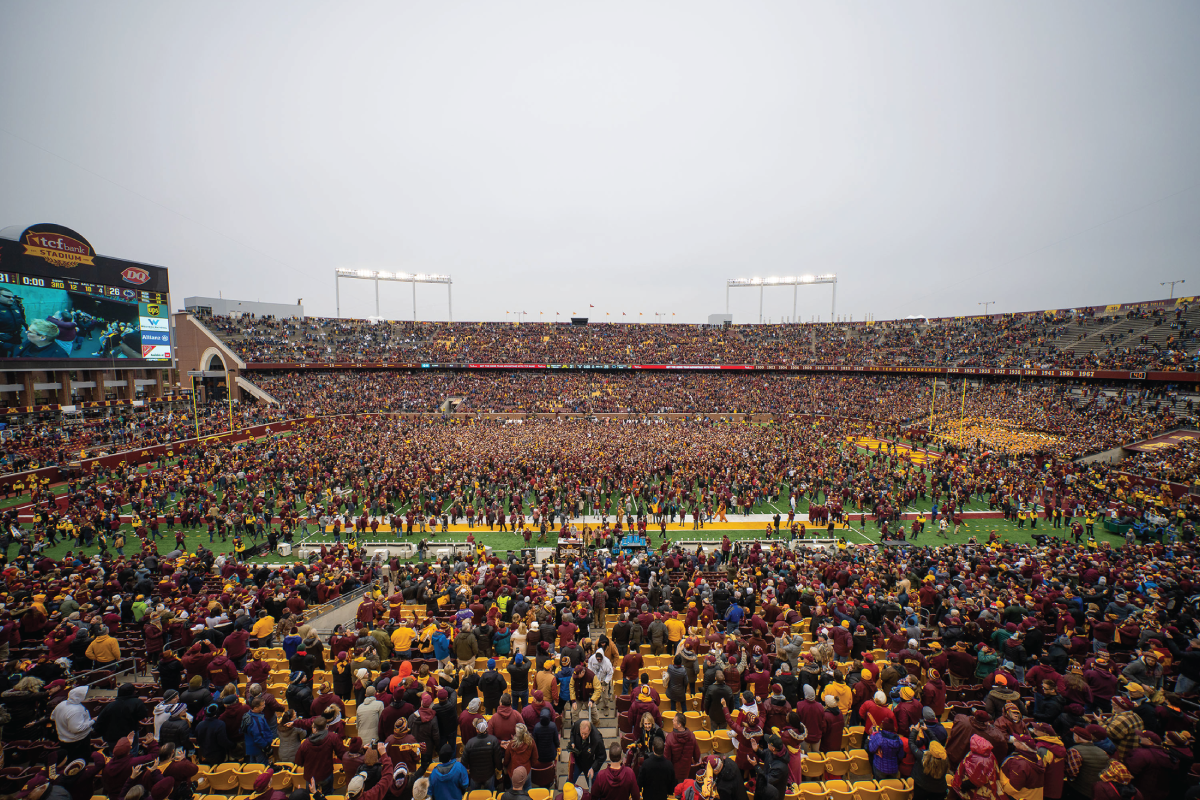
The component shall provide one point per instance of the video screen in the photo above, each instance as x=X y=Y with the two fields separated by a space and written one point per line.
x=43 y=319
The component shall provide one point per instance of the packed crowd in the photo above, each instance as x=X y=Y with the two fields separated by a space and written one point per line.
x=1032 y=340
x=1008 y=415
x=1176 y=464
x=975 y=672
x=62 y=438
x=533 y=477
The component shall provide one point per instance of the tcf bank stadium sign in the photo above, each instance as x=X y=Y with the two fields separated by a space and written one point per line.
x=58 y=245
x=46 y=250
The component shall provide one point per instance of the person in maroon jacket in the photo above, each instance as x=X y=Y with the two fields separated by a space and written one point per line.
x=643 y=703
x=962 y=664
x=843 y=640
x=616 y=781
x=257 y=671
x=316 y=754
x=221 y=670
x=1103 y=684
x=325 y=699
x=834 y=724
x=933 y=693
x=503 y=723
x=682 y=750
x=1045 y=736
x=938 y=659
x=908 y=710
x=237 y=645
x=775 y=709
x=812 y=714
x=466 y=720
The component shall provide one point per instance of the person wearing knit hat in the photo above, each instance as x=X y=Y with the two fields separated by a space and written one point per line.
x=263 y=781
x=162 y=788
x=1116 y=776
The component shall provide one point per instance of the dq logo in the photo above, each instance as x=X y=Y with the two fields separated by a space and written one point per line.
x=152 y=309
x=135 y=275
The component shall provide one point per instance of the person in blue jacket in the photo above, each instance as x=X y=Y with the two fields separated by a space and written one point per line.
x=441 y=645
x=258 y=733
x=448 y=780
x=565 y=671
x=502 y=640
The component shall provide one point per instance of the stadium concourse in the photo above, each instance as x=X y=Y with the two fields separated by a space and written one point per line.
x=1002 y=609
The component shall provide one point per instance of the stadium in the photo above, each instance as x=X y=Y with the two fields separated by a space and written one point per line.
x=254 y=553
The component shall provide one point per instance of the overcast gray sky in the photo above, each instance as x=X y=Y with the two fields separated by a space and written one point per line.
x=628 y=155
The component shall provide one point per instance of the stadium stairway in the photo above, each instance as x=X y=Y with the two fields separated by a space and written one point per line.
x=1094 y=330
x=257 y=391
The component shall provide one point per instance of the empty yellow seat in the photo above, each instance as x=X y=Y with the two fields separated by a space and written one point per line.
x=896 y=788
x=704 y=740
x=814 y=765
x=839 y=790
x=860 y=762
x=286 y=780
x=867 y=790
x=222 y=778
x=837 y=763
x=853 y=737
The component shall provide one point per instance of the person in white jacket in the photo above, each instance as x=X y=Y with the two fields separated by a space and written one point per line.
x=73 y=723
x=367 y=717
x=602 y=668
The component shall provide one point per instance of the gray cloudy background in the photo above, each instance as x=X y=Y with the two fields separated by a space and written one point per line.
x=629 y=155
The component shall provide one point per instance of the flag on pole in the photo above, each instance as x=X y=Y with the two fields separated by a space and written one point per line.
x=590 y=305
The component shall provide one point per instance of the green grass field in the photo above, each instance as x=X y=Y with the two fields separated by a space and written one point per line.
x=507 y=541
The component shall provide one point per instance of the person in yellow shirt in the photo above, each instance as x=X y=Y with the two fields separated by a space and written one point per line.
x=263 y=629
x=425 y=644
x=104 y=649
x=675 y=630
x=402 y=640
x=841 y=693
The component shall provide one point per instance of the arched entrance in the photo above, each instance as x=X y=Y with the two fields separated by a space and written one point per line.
x=214 y=386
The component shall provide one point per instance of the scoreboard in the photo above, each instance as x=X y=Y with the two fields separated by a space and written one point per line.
x=59 y=299
x=110 y=292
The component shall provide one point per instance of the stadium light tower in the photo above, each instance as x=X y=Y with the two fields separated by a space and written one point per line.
x=794 y=282
x=400 y=277
x=1172 y=285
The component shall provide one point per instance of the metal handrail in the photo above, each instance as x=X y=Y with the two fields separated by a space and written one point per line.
x=336 y=603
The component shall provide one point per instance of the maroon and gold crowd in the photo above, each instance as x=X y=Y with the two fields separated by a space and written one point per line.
x=1068 y=668
x=1064 y=340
